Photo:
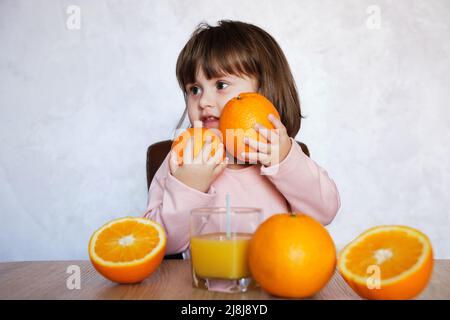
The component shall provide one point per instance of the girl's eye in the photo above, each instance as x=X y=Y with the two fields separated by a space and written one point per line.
x=194 y=90
x=221 y=85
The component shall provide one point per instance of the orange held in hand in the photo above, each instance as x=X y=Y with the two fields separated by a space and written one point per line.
x=238 y=118
x=127 y=250
x=292 y=255
x=199 y=135
x=387 y=262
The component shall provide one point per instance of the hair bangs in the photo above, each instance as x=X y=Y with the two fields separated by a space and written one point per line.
x=217 y=53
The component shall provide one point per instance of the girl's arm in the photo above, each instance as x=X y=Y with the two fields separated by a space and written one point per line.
x=170 y=203
x=305 y=185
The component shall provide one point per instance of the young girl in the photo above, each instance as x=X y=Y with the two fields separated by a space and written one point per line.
x=217 y=64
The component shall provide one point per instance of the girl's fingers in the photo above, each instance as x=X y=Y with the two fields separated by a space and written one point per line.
x=269 y=135
x=221 y=166
x=218 y=156
x=254 y=157
x=244 y=156
x=203 y=156
x=187 y=154
x=258 y=145
x=276 y=122
x=217 y=132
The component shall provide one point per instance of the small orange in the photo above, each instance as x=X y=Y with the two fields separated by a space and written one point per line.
x=199 y=134
x=127 y=250
x=292 y=255
x=238 y=117
x=387 y=262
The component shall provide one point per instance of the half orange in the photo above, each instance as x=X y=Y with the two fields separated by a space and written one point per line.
x=127 y=250
x=387 y=262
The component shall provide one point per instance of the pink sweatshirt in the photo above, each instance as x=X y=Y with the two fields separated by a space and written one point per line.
x=295 y=184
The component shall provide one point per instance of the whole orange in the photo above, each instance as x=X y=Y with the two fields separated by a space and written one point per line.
x=292 y=255
x=199 y=134
x=238 y=117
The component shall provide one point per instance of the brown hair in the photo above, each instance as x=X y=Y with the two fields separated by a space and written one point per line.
x=234 y=47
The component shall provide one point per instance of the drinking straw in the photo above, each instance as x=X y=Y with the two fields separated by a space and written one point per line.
x=227 y=200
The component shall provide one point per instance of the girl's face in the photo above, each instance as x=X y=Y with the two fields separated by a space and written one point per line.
x=206 y=98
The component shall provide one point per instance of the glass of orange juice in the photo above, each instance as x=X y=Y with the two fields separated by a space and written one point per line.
x=220 y=238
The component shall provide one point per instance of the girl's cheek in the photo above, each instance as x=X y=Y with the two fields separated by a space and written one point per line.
x=225 y=98
x=193 y=114
x=190 y=112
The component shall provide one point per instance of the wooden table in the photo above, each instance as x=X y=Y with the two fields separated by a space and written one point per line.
x=48 y=280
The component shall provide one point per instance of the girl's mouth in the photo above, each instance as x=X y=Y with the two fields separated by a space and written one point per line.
x=210 y=122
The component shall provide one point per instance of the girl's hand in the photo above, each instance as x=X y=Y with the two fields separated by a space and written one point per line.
x=201 y=171
x=277 y=148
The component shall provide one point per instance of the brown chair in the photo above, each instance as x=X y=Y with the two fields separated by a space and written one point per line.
x=157 y=152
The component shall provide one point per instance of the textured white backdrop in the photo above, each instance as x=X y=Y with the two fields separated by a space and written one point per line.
x=80 y=107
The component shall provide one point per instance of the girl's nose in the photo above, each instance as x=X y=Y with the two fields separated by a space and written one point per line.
x=206 y=100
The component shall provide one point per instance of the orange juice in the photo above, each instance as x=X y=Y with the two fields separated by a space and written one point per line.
x=215 y=256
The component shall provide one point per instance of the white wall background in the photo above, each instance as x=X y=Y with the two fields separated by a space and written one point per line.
x=80 y=107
